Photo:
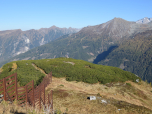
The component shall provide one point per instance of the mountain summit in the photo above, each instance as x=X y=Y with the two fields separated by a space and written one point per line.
x=115 y=29
x=144 y=20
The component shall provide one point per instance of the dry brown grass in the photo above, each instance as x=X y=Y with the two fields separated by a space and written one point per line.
x=12 y=108
x=42 y=71
x=14 y=67
x=1 y=69
x=73 y=95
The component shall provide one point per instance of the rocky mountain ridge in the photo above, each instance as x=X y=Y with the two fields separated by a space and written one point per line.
x=101 y=36
x=15 y=42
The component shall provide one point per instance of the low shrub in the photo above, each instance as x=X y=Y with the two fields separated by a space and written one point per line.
x=61 y=67
x=128 y=84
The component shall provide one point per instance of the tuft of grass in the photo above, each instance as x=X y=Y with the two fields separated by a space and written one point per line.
x=139 y=83
x=98 y=94
x=62 y=85
x=106 y=88
x=128 y=84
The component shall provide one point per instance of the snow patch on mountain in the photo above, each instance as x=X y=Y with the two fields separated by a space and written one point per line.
x=23 y=50
x=144 y=20
x=27 y=40
x=18 y=53
x=42 y=42
x=26 y=48
x=15 y=46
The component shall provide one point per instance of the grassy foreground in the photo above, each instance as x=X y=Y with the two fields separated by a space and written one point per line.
x=122 y=95
x=71 y=98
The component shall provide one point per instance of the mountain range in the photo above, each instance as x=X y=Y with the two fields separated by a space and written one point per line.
x=15 y=42
x=100 y=44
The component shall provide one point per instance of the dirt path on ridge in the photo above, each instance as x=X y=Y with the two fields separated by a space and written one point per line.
x=36 y=67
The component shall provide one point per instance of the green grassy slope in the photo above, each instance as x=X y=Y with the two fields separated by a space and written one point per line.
x=72 y=69
x=25 y=72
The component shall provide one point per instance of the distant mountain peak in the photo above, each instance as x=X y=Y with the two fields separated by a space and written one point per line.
x=144 y=20
x=119 y=20
x=54 y=26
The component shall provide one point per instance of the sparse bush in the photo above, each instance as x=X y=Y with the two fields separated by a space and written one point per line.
x=139 y=83
x=128 y=84
x=62 y=85
x=98 y=94
x=58 y=111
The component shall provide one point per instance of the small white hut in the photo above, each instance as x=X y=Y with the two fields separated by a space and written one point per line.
x=92 y=98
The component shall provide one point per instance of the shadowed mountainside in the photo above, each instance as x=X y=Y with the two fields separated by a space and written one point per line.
x=134 y=55
x=103 y=55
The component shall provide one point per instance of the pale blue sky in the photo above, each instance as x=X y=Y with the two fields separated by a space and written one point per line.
x=36 y=14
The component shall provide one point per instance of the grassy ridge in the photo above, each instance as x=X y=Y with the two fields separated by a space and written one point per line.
x=25 y=72
x=72 y=69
